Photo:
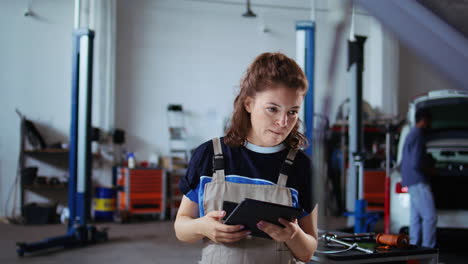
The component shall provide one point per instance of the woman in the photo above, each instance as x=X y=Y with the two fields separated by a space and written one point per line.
x=259 y=158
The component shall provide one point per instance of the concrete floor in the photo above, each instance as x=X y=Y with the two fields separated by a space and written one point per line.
x=149 y=242
x=155 y=242
x=142 y=242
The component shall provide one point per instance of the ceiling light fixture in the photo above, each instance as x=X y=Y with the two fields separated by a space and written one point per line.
x=249 y=12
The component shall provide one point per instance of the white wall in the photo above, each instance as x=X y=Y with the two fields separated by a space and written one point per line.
x=193 y=53
x=188 y=52
x=35 y=76
x=380 y=59
x=417 y=77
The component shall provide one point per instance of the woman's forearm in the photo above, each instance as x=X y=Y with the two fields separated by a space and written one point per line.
x=188 y=229
x=304 y=243
x=302 y=246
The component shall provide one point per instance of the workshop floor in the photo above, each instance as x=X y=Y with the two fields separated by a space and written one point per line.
x=154 y=242
x=149 y=242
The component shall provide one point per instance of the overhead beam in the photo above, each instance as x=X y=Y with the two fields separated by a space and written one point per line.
x=426 y=34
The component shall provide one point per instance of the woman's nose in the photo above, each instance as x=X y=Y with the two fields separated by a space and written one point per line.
x=282 y=120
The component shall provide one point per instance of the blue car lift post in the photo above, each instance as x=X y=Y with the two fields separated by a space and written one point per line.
x=363 y=221
x=79 y=232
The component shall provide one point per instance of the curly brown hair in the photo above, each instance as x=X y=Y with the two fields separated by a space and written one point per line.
x=266 y=71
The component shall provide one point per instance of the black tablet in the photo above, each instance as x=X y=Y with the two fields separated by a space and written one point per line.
x=249 y=212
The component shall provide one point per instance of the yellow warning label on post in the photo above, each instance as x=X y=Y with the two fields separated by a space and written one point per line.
x=102 y=204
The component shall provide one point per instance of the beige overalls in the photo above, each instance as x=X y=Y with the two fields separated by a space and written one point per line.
x=252 y=249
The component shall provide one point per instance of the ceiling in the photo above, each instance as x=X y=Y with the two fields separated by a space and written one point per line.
x=454 y=12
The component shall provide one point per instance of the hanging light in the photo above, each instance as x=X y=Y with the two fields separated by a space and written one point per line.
x=249 y=12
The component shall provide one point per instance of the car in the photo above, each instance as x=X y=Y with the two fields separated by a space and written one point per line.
x=447 y=143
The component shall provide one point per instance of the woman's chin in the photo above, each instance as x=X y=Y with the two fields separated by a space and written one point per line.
x=274 y=140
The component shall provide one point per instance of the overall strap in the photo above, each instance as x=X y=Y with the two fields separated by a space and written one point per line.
x=286 y=168
x=218 y=161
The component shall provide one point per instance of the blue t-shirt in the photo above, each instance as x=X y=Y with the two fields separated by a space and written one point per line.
x=413 y=158
x=249 y=164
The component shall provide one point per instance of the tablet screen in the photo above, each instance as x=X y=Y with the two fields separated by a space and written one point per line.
x=249 y=212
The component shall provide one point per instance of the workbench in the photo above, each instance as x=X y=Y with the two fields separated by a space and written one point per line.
x=394 y=255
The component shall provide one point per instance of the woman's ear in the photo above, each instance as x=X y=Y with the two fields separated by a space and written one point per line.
x=248 y=104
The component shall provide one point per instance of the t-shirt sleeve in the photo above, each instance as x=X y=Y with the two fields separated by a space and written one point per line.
x=199 y=165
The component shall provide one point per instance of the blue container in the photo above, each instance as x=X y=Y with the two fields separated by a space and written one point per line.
x=104 y=204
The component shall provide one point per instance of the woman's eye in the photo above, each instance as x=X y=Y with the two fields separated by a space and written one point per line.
x=272 y=109
x=293 y=113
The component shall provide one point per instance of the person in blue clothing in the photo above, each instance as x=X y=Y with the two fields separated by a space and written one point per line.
x=416 y=169
x=260 y=157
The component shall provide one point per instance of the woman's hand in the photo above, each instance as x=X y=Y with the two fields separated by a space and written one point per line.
x=278 y=233
x=219 y=232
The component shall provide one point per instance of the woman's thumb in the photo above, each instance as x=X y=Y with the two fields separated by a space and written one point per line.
x=217 y=214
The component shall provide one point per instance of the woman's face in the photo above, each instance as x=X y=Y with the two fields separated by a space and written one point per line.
x=273 y=114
